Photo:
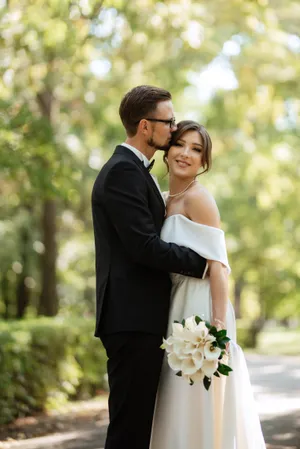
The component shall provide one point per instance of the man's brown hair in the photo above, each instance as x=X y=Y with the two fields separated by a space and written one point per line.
x=139 y=103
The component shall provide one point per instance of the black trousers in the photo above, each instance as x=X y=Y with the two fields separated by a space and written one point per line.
x=134 y=365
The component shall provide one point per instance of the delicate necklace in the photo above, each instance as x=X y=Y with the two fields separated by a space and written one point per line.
x=180 y=193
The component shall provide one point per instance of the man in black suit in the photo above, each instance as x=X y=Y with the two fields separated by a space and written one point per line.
x=133 y=266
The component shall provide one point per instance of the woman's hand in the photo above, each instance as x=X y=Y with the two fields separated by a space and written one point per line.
x=219 y=324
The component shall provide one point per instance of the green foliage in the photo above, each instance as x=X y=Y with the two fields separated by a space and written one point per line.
x=46 y=361
x=65 y=67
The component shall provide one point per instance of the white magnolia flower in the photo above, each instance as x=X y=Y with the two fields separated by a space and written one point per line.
x=179 y=351
x=211 y=352
x=175 y=362
x=190 y=323
x=199 y=334
x=209 y=367
x=190 y=348
x=177 y=330
x=198 y=358
x=167 y=344
x=178 y=345
x=210 y=338
x=188 y=366
x=202 y=329
x=198 y=376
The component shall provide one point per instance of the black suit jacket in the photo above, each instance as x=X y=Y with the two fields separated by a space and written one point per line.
x=133 y=285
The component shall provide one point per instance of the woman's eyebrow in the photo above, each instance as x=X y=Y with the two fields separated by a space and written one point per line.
x=182 y=140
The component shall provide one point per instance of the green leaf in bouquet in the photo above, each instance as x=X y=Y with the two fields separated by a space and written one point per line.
x=175 y=321
x=224 y=369
x=208 y=325
x=206 y=382
x=222 y=333
x=226 y=339
x=227 y=367
x=222 y=342
x=217 y=374
x=183 y=322
x=191 y=382
x=198 y=319
x=179 y=374
x=213 y=331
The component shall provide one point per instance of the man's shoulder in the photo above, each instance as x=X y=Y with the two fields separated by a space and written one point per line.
x=121 y=155
x=118 y=164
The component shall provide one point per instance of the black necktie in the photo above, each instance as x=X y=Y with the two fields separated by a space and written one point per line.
x=149 y=168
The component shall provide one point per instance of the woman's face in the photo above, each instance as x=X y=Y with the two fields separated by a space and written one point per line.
x=185 y=155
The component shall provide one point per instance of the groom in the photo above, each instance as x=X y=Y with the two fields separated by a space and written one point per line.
x=133 y=266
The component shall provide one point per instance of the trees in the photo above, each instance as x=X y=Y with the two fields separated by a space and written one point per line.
x=65 y=67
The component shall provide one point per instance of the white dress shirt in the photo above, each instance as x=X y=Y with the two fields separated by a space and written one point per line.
x=137 y=152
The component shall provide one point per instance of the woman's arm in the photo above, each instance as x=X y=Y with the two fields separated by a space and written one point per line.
x=219 y=292
x=201 y=208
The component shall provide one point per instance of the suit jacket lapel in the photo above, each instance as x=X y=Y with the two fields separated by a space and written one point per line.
x=125 y=151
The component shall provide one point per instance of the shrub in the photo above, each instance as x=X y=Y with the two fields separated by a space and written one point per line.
x=46 y=361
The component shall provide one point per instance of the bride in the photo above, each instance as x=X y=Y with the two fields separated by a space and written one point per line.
x=189 y=417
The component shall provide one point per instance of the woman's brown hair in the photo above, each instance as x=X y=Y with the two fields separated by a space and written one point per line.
x=190 y=125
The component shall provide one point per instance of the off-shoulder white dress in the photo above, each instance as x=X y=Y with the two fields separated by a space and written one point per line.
x=189 y=417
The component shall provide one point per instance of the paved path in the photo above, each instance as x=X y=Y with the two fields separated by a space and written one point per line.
x=276 y=384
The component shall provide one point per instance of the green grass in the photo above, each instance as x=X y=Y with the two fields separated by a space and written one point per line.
x=279 y=341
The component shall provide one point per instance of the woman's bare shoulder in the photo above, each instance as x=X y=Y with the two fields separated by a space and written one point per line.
x=201 y=207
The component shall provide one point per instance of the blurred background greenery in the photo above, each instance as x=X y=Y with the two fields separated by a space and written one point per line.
x=65 y=65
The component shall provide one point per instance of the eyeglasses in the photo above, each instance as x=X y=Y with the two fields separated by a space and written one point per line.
x=171 y=122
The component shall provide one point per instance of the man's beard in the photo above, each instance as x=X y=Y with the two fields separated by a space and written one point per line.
x=151 y=142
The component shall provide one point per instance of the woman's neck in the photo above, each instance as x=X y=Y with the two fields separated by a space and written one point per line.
x=177 y=185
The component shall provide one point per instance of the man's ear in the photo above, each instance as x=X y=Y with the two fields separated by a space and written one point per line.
x=144 y=126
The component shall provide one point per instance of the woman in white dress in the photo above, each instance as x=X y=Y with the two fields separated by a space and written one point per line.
x=189 y=417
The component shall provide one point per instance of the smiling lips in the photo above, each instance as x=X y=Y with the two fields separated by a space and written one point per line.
x=182 y=164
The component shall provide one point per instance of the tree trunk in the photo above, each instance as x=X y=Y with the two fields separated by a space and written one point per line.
x=238 y=287
x=254 y=331
x=5 y=295
x=23 y=292
x=23 y=297
x=48 y=304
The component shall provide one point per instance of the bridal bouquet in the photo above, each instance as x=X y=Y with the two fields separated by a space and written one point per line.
x=196 y=350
